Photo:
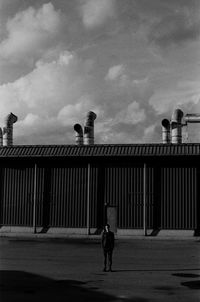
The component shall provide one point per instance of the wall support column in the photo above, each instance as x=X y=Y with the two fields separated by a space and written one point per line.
x=144 y=200
x=88 y=199
x=34 y=199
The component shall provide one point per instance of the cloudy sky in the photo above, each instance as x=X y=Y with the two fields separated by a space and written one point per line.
x=130 y=61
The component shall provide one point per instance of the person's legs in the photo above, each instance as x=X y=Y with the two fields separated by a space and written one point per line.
x=110 y=259
x=105 y=259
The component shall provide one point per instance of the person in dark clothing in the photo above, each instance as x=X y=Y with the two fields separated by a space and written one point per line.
x=108 y=241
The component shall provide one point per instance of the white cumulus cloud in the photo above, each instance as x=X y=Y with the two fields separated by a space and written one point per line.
x=96 y=12
x=132 y=114
x=30 y=32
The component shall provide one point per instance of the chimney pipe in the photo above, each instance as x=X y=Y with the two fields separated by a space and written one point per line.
x=8 y=130
x=176 y=126
x=89 y=128
x=166 y=131
x=79 y=134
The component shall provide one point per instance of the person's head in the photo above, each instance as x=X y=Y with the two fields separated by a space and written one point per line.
x=107 y=227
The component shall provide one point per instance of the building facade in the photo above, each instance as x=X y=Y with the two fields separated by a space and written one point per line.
x=79 y=188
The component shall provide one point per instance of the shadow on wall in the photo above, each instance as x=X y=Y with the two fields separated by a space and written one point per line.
x=22 y=286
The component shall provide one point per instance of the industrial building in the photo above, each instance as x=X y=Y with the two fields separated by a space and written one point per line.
x=77 y=188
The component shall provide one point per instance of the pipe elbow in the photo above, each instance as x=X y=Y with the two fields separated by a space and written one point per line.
x=177 y=116
x=165 y=124
x=78 y=129
x=91 y=116
x=79 y=134
x=11 y=119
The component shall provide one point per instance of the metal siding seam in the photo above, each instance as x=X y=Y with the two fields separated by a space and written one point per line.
x=124 y=196
x=141 y=175
x=5 y=196
x=54 y=211
x=187 y=188
x=135 y=194
x=131 y=197
x=79 y=196
x=167 y=205
x=58 y=195
x=30 y=189
x=119 y=209
x=194 y=210
x=22 y=204
x=62 y=198
x=14 y=199
x=54 y=207
x=136 y=201
x=10 y=192
x=183 y=205
x=73 y=200
x=69 y=197
x=162 y=197
x=191 y=198
x=190 y=201
x=63 y=208
x=178 y=195
x=138 y=198
x=66 y=200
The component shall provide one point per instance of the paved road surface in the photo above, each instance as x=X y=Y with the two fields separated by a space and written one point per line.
x=71 y=270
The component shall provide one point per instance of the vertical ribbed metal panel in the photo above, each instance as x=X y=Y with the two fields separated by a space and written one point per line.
x=66 y=196
x=124 y=189
x=97 y=196
x=39 y=196
x=17 y=196
x=150 y=200
x=178 y=197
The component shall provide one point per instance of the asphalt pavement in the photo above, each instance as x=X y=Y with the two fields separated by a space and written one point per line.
x=71 y=270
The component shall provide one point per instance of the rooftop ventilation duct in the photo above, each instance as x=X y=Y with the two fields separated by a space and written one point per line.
x=176 y=126
x=79 y=134
x=89 y=128
x=192 y=118
x=166 y=131
x=8 y=129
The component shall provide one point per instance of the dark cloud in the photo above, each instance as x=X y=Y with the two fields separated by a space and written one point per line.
x=180 y=26
x=174 y=31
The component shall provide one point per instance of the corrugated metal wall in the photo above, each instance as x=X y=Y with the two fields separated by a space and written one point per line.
x=16 y=196
x=124 y=189
x=62 y=196
x=178 y=197
x=172 y=194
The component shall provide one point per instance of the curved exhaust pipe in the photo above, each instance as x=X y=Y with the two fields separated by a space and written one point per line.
x=79 y=134
x=8 y=130
x=176 y=126
x=89 y=128
x=166 y=139
x=192 y=118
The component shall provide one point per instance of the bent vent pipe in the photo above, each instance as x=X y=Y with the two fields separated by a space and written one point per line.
x=166 y=131
x=79 y=134
x=8 y=130
x=176 y=126
x=89 y=128
x=192 y=118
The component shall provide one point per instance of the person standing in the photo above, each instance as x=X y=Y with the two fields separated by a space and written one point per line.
x=108 y=242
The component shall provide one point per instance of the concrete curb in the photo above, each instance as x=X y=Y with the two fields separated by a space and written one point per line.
x=39 y=236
